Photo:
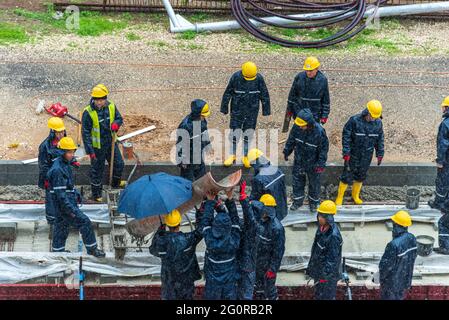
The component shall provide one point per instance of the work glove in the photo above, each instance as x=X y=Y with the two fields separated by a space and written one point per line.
x=346 y=157
x=323 y=120
x=322 y=281
x=92 y=156
x=290 y=114
x=76 y=164
x=319 y=170
x=379 y=160
x=243 y=195
x=285 y=157
x=46 y=184
x=115 y=127
x=270 y=274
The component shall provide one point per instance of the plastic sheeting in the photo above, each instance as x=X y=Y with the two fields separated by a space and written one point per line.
x=360 y=214
x=20 y=266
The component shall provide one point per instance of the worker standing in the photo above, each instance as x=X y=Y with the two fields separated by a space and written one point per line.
x=49 y=152
x=270 y=245
x=309 y=141
x=246 y=90
x=442 y=160
x=325 y=259
x=310 y=90
x=222 y=237
x=179 y=264
x=362 y=135
x=268 y=179
x=100 y=122
x=443 y=230
x=66 y=199
x=193 y=140
x=397 y=263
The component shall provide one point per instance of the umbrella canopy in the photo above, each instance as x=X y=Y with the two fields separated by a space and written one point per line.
x=154 y=194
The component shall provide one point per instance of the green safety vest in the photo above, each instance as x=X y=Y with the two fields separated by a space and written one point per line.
x=95 y=133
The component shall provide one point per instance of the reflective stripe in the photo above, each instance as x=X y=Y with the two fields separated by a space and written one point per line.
x=325 y=105
x=222 y=261
x=237 y=91
x=312 y=145
x=274 y=181
x=322 y=248
x=195 y=136
x=373 y=135
x=360 y=134
x=313 y=199
x=95 y=132
x=59 y=188
x=254 y=92
x=310 y=99
x=404 y=253
x=263 y=238
x=299 y=140
x=91 y=245
x=208 y=227
x=297 y=198
x=58 y=249
x=236 y=226
x=162 y=253
x=440 y=195
x=68 y=191
x=443 y=235
x=189 y=248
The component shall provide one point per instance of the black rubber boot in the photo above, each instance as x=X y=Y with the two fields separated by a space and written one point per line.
x=434 y=205
x=295 y=205
x=96 y=253
x=441 y=251
x=313 y=207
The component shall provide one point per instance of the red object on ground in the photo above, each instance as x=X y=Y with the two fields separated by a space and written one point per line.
x=57 y=110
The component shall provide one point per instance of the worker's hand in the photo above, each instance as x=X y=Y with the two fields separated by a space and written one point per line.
x=346 y=157
x=92 y=156
x=323 y=120
x=230 y=193
x=290 y=114
x=46 y=184
x=379 y=160
x=76 y=164
x=439 y=166
x=210 y=195
x=115 y=126
x=162 y=227
x=243 y=194
x=285 y=157
x=270 y=274
x=319 y=170
x=323 y=281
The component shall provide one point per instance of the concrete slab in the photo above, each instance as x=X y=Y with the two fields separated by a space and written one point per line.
x=299 y=227
x=347 y=226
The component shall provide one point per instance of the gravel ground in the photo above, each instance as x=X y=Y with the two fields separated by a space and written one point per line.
x=161 y=95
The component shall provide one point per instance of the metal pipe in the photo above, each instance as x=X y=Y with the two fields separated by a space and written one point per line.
x=171 y=13
x=387 y=11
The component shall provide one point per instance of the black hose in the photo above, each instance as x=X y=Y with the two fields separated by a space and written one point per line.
x=353 y=11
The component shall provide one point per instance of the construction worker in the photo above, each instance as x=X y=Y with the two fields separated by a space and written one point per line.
x=246 y=90
x=443 y=230
x=397 y=263
x=66 y=199
x=48 y=152
x=442 y=160
x=325 y=259
x=222 y=237
x=310 y=90
x=309 y=140
x=193 y=140
x=100 y=121
x=362 y=135
x=270 y=245
x=179 y=264
x=268 y=179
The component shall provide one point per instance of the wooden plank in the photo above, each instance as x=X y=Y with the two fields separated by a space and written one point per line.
x=136 y=133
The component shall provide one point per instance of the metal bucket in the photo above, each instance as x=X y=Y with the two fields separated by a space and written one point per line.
x=425 y=245
x=412 y=198
x=128 y=150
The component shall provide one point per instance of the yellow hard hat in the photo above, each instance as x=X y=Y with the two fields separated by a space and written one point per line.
x=374 y=108
x=254 y=154
x=249 y=70
x=99 y=91
x=56 y=123
x=445 y=102
x=327 y=207
x=268 y=200
x=67 y=143
x=311 y=63
x=173 y=219
x=402 y=218
x=300 y=122
x=205 y=112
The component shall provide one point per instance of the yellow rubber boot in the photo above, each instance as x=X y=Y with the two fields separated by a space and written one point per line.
x=246 y=163
x=356 y=188
x=341 y=193
x=230 y=161
x=122 y=184
x=99 y=199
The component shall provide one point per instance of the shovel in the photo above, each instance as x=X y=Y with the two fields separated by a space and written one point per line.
x=80 y=152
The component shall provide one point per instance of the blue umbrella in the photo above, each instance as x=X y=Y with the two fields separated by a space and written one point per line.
x=154 y=194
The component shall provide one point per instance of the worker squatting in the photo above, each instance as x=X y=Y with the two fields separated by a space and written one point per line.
x=243 y=257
